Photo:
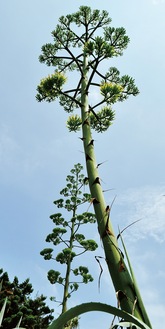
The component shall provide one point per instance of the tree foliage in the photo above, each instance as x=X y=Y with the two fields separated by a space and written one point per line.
x=34 y=311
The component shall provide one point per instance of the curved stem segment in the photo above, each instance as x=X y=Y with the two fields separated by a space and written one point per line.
x=88 y=307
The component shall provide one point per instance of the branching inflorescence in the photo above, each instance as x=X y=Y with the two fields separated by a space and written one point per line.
x=67 y=235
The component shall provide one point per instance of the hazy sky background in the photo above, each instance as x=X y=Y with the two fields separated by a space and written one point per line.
x=37 y=151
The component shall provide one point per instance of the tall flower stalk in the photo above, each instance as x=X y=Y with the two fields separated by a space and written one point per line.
x=67 y=234
x=77 y=49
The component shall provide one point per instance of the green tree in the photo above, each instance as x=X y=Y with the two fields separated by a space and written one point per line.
x=81 y=43
x=34 y=312
x=68 y=235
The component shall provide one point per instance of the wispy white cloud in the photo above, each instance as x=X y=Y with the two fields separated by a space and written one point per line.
x=148 y=204
x=158 y=314
x=8 y=146
x=22 y=157
x=158 y=2
x=13 y=153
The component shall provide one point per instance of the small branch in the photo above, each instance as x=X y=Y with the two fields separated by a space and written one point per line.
x=95 y=84
x=93 y=73
x=64 y=241
x=72 y=56
x=74 y=59
x=98 y=104
x=101 y=270
x=71 y=90
x=81 y=253
x=68 y=64
x=76 y=90
x=76 y=36
x=100 y=24
x=70 y=97
x=93 y=112
x=96 y=71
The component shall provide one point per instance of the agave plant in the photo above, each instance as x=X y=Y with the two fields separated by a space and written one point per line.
x=77 y=47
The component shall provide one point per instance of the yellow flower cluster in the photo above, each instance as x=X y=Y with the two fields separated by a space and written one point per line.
x=109 y=87
x=56 y=77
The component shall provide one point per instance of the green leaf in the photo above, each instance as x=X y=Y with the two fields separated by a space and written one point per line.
x=111 y=92
x=118 y=38
x=1 y=285
x=103 y=119
x=89 y=245
x=66 y=255
x=19 y=322
x=124 y=325
x=57 y=219
x=74 y=287
x=59 y=203
x=74 y=123
x=95 y=306
x=84 y=273
x=53 y=276
x=3 y=311
x=50 y=87
x=86 y=217
x=47 y=253
x=79 y=237
x=55 y=237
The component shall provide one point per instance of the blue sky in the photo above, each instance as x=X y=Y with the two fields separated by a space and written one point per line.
x=37 y=152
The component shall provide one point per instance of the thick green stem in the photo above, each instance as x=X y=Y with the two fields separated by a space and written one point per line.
x=120 y=275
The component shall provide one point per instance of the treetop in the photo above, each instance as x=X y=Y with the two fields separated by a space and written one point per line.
x=81 y=42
